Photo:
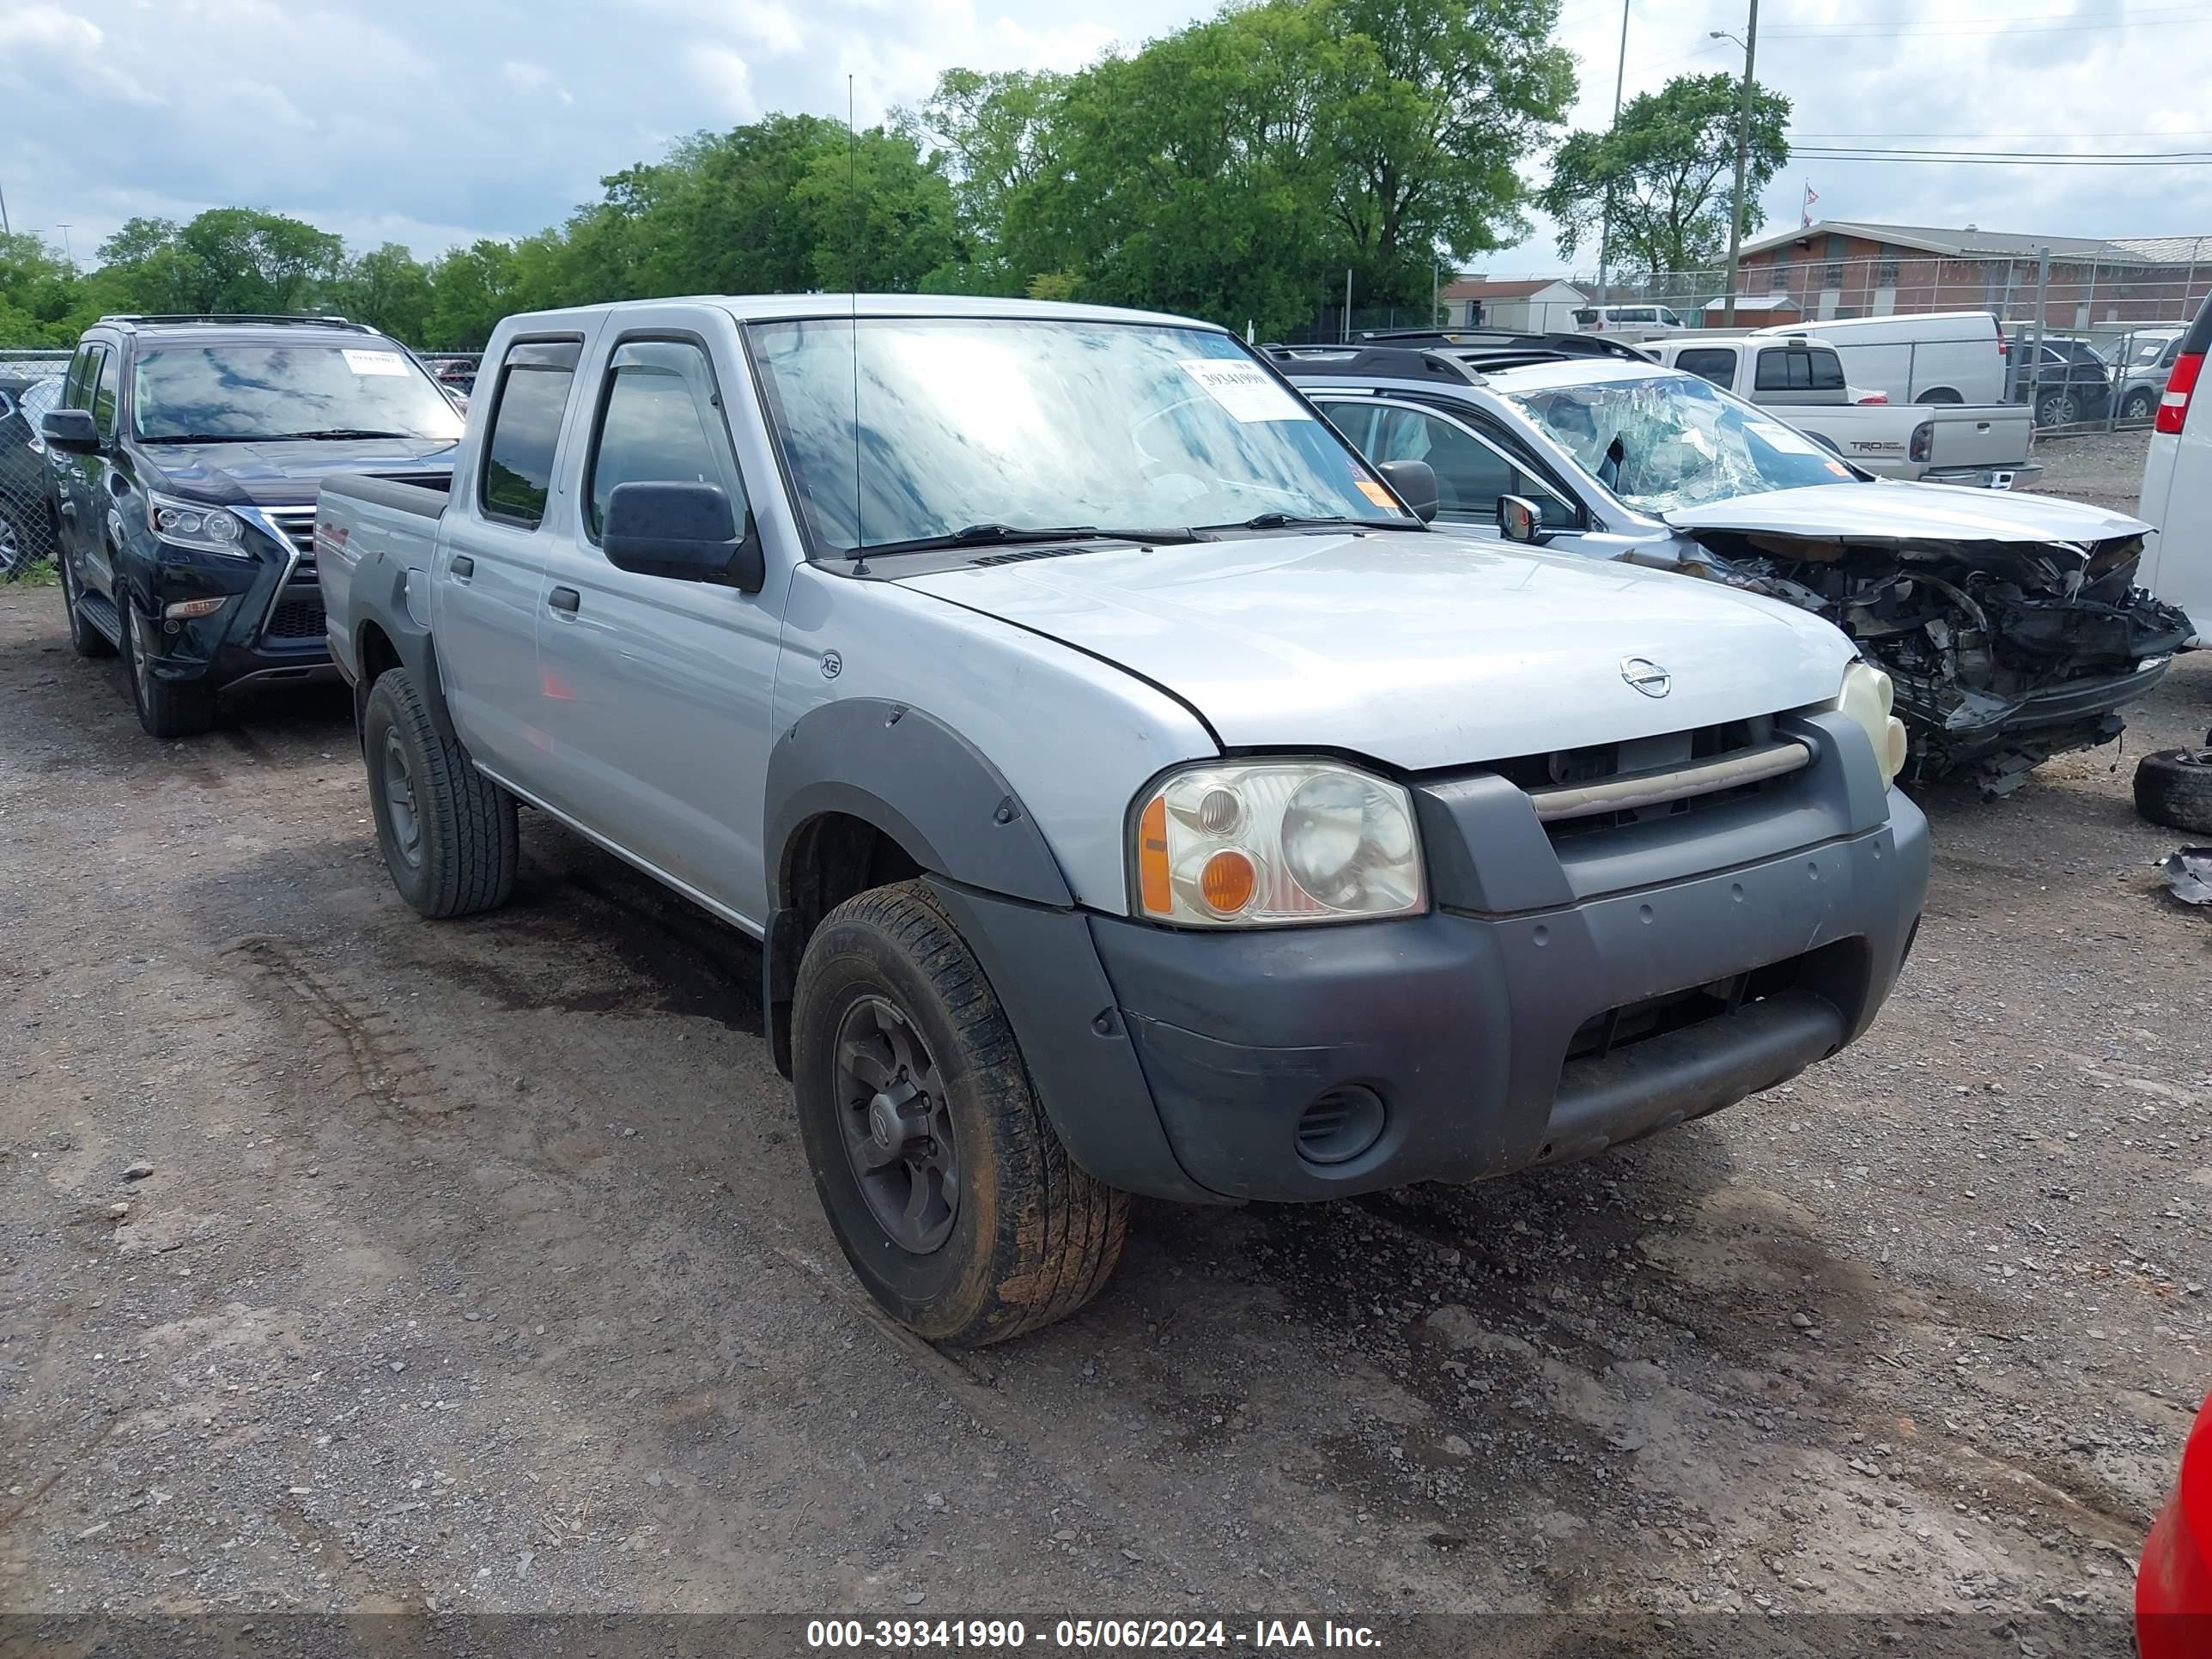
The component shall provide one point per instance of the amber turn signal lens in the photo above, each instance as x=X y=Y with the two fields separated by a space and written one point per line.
x=1228 y=882
x=1154 y=889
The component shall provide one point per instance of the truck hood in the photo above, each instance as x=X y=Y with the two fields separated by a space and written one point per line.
x=280 y=474
x=1895 y=512
x=1419 y=650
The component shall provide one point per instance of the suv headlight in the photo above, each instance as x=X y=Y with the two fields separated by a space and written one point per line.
x=1868 y=696
x=189 y=524
x=1263 y=843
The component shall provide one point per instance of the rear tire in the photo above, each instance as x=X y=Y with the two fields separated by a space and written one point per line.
x=447 y=831
x=889 y=997
x=167 y=708
x=84 y=639
x=2173 y=786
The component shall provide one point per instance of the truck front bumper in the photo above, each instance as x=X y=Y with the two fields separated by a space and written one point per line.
x=1313 y=1063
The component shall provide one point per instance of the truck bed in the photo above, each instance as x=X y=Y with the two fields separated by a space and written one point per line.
x=362 y=516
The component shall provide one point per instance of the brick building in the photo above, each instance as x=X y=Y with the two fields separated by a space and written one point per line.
x=1838 y=269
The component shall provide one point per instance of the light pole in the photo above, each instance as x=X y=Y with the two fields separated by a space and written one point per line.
x=1750 y=44
x=1605 y=225
x=68 y=257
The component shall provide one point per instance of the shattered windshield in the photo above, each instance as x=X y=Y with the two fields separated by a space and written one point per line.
x=1674 y=440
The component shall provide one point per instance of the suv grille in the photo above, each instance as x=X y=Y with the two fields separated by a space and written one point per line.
x=298 y=525
x=297 y=617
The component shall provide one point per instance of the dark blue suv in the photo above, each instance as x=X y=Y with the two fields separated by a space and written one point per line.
x=183 y=463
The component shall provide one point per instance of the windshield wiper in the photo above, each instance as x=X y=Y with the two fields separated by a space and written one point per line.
x=201 y=438
x=1293 y=521
x=338 y=432
x=995 y=535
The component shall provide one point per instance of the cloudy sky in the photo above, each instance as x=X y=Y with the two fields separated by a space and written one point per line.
x=430 y=121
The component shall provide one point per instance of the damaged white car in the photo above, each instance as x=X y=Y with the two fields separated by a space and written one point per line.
x=2011 y=625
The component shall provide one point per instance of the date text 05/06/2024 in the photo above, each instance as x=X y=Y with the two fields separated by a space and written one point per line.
x=1087 y=1635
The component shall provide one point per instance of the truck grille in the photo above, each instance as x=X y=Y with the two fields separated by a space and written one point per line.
x=1606 y=786
x=297 y=616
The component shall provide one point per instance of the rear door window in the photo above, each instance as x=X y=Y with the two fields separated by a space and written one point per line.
x=526 y=430
x=1713 y=363
x=104 y=392
x=1471 y=475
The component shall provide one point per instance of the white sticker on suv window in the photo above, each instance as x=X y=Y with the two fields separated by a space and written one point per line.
x=1793 y=443
x=375 y=363
x=1243 y=389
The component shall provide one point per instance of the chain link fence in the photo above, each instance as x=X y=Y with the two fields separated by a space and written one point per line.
x=2091 y=332
x=30 y=385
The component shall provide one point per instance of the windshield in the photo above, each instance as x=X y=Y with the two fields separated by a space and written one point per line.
x=244 y=391
x=1674 y=441
x=1006 y=424
x=39 y=400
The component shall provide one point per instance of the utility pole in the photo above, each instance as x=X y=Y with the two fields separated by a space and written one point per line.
x=1605 y=225
x=68 y=257
x=4 y=229
x=1743 y=158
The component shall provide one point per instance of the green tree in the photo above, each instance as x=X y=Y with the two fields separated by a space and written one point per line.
x=1668 y=166
x=42 y=302
x=470 y=290
x=1236 y=167
x=387 y=288
x=226 y=259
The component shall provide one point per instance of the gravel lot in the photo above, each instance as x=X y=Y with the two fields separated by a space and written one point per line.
x=350 y=1262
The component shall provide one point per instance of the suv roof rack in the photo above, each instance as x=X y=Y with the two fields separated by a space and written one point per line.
x=135 y=319
x=1361 y=362
x=1488 y=340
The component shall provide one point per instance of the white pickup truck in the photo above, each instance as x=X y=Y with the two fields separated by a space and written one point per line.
x=1801 y=382
x=1129 y=789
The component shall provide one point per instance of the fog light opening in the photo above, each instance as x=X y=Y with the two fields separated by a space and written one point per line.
x=1340 y=1125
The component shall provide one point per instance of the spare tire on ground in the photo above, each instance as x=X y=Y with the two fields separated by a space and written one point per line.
x=2174 y=787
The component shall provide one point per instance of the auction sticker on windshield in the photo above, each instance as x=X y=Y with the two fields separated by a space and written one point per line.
x=1245 y=390
x=375 y=363
x=1782 y=438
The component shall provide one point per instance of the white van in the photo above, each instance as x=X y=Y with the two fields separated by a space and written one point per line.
x=1648 y=318
x=1937 y=357
x=2177 y=490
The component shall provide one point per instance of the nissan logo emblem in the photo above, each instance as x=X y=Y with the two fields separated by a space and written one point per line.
x=1646 y=676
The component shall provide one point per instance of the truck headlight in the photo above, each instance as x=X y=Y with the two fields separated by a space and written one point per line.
x=1263 y=843
x=1868 y=696
x=189 y=524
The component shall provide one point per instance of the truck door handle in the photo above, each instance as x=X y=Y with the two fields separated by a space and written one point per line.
x=462 y=566
x=564 y=598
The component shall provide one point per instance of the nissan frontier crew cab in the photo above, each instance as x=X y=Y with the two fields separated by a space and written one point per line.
x=1130 y=792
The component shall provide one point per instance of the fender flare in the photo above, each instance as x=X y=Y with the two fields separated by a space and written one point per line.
x=917 y=780
x=380 y=596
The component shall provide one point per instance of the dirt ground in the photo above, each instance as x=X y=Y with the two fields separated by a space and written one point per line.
x=352 y=1262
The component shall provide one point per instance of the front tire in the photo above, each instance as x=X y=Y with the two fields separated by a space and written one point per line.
x=942 y=1177
x=167 y=708
x=2056 y=409
x=2137 y=406
x=447 y=831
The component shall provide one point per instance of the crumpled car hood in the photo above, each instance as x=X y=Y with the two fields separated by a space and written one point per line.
x=1865 y=514
x=2011 y=625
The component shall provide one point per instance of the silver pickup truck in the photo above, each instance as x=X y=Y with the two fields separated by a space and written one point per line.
x=1130 y=791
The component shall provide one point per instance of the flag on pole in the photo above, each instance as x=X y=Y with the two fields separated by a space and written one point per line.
x=1805 y=214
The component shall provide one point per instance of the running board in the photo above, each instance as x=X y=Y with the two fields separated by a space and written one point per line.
x=100 y=611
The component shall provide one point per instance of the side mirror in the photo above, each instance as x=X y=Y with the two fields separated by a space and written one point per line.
x=72 y=431
x=1416 y=484
x=683 y=531
x=1520 y=519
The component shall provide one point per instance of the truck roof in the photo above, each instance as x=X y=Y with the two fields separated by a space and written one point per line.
x=782 y=307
